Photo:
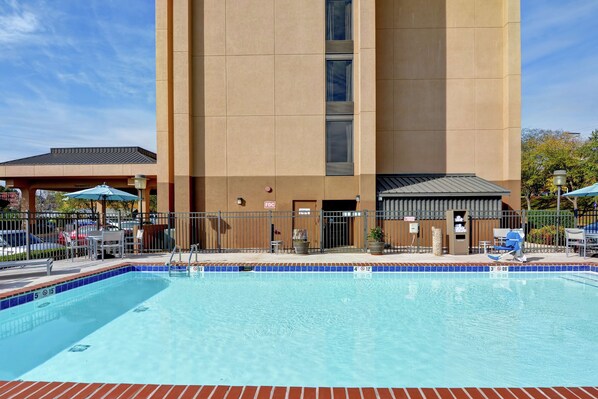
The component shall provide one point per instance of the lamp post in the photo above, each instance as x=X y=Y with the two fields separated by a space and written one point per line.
x=559 y=178
x=140 y=185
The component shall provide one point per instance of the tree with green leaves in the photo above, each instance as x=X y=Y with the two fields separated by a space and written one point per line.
x=544 y=151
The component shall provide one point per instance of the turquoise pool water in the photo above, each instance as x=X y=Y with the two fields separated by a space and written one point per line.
x=311 y=330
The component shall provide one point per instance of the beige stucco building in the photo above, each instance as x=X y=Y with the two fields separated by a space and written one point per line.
x=288 y=104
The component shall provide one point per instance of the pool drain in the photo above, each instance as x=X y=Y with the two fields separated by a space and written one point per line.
x=79 y=348
x=140 y=309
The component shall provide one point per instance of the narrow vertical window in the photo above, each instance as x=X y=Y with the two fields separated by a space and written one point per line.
x=339 y=147
x=339 y=20
x=339 y=88
x=339 y=80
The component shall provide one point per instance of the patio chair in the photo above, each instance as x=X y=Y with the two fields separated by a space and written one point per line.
x=93 y=238
x=513 y=245
x=135 y=243
x=73 y=246
x=576 y=238
x=111 y=241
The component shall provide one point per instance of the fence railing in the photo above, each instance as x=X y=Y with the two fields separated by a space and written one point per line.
x=28 y=236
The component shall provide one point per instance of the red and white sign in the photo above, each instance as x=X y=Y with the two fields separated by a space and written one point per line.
x=269 y=204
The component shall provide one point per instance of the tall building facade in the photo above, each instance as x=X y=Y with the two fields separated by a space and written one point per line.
x=287 y=104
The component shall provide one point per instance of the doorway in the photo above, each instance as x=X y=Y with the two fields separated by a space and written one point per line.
x=338 y=223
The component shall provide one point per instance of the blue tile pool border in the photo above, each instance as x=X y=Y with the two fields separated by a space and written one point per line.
x=22 y=296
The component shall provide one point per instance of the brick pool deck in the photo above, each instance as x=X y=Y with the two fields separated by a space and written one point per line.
x=57 y=390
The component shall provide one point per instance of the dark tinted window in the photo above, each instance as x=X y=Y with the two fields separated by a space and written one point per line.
x=339 y=20
x=339 y=80
x=339 y=141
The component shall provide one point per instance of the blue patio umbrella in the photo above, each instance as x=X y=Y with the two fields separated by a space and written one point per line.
x=590 y=191
x=102 y=193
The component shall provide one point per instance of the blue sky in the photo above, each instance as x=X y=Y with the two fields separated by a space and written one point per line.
x=82 y=72
x=76 y=73
x=559 y=46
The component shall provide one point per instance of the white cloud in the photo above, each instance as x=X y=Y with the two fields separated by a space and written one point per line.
x=17 y=25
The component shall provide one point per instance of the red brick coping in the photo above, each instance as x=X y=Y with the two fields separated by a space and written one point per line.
x=64 y=390
x=46 y=284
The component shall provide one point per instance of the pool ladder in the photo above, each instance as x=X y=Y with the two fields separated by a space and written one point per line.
x=176 y=268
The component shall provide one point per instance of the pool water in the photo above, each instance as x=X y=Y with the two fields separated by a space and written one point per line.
x=311 y=330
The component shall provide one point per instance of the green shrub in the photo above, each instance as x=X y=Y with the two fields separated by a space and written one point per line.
x=546 y=235
x=376 y=234
x=56 y=254
x=540 y=219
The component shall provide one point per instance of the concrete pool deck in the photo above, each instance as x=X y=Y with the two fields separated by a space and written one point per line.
x=18 y=279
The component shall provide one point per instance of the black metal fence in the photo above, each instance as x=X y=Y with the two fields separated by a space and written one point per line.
x=28 y=236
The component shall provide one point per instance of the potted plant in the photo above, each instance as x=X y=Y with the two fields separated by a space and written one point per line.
x=300 y=242
x=376 y=241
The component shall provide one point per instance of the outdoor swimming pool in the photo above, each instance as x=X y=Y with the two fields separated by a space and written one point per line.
x=311 y=329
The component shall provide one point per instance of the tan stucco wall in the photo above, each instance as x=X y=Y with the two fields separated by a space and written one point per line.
x=448 y=88
x=248 y=110
x=241 y=97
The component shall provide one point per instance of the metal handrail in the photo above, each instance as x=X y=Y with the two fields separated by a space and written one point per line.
x=193 y=250
x=174 y=251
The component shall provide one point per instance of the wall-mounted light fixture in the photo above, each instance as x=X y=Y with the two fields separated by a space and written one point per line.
x=240 y=200
x=357 y=198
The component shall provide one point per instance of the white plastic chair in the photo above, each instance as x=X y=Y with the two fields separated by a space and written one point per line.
x=135 y=243
x=576 y=238
x=72 y=246
x=111 y=240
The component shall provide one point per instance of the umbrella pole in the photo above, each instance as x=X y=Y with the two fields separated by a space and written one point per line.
x=104 y=212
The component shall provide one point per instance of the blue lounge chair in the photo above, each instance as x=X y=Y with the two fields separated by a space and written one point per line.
x=513 y=245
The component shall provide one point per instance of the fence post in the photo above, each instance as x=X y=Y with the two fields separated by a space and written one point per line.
x=77 y=227
x=321 y=231
x=219 y=238
x=27 y=238
x=417 y=219
x=270 y=232
x=365 y=230
x=556 y=241
x=169 y=223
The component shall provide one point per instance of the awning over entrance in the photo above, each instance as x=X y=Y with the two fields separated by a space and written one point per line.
x=438 y=193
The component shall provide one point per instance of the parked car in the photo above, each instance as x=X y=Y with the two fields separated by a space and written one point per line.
x=591 y=228
x=15 y=242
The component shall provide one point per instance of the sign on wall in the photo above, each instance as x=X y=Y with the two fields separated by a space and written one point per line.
x=269 y=204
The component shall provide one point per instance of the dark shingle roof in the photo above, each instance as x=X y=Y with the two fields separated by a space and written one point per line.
x=89 y=155
x=437 y=185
